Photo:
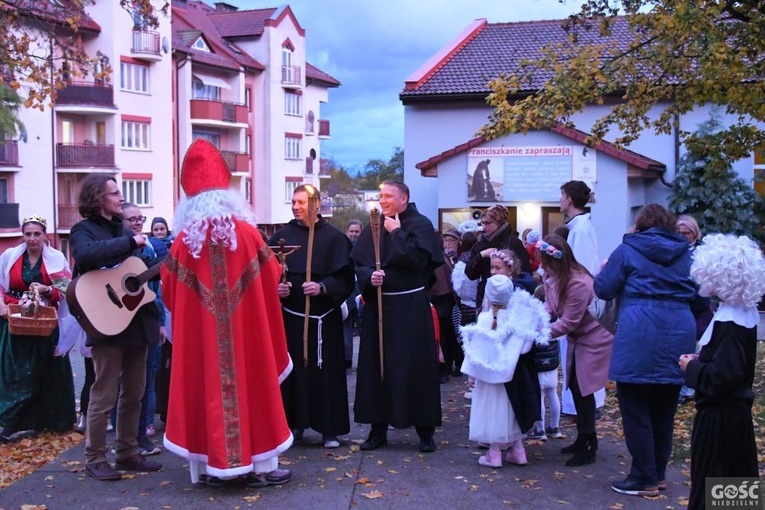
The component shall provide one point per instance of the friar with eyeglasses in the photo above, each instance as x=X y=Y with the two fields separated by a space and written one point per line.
x=101 y=240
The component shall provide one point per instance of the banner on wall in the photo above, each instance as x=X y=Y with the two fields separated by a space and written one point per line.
x=531 y=173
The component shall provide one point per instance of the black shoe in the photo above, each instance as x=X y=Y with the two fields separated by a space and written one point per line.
x=102 y=472
x=427 y=445
x=374 y=441
x=137 y=463
x=586 y=452
x=632 y=487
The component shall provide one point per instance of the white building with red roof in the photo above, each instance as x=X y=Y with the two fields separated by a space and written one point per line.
x=453 y=175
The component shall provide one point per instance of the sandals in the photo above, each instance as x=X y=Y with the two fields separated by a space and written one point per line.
x=275 y=477
x=211 y=481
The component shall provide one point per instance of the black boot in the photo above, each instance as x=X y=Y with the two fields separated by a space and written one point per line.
x=586 y=452
x=573 y=447
x=427 y=444
x=378 y=437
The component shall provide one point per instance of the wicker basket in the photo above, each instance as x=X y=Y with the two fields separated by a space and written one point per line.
x=43 y=322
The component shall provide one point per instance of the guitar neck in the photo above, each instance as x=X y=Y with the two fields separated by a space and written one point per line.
x=150 y=273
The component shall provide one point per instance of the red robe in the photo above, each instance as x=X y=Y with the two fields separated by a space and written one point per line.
x=229 y=354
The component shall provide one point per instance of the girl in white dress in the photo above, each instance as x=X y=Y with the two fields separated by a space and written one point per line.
x=510 y=323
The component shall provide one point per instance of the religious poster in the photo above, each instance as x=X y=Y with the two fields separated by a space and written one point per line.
x=532 y=173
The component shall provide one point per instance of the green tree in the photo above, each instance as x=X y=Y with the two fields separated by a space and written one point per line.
x=10 y=102
x=681 y=54
x=707 y=187
x=42 y=45
x=377 y=171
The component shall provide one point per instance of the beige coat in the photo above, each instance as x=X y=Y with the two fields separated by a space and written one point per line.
x=588 y=342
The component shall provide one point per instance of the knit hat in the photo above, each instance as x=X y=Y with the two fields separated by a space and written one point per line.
x=159 y=219
x=499 y=288
x=204 y=169
x=496 y=213
x=452 y=232
x=532 y=237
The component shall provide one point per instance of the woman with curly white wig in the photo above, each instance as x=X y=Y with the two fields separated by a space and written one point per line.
x=722 y=443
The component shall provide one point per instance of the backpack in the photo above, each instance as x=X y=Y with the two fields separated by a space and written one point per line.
x=546 y=357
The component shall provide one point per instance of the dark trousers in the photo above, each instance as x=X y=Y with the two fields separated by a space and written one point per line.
x=585 y=406
x=90 y=377
x=648 y=418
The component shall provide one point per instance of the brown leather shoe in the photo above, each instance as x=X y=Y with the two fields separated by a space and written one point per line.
x=102 y=471
x=137 y=463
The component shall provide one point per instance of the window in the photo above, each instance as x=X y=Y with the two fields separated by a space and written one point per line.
x=248 y=190
x=201 y=45
x=4 y=189
x=291 y=147
x=210 y=136
x=201 y=91
x=248 y=99
x=247 y=143
x=137 y=191
x=759 y=170
x=289 y=188
x=135 y=135
x=134 y=77
x=291 y=103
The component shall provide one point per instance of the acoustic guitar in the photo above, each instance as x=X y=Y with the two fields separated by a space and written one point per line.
x=105 y=301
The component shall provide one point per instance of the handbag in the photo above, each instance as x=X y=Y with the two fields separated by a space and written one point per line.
x=605 y=312
x=546 y=356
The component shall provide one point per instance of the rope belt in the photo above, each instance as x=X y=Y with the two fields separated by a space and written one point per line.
x=410 y=291
x=318 y=330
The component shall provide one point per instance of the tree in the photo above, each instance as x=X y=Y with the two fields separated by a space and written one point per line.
x=43 y=45
x=678 y=54
x=377 y=171
x=10 y=102
x=707 y=188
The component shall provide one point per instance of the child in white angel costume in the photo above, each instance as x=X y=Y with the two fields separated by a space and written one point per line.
x=510 y=323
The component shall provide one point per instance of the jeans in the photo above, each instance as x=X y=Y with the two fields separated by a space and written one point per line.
x=149 y=401
x=648 y=418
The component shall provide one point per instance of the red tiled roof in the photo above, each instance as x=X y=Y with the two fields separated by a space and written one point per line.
x=51 y=12
x=313 y=73
x=495 y=48
x=630 y=157
x=241 y=23
x=189 y=23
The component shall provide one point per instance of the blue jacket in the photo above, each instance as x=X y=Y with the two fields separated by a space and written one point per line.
x=650 y=274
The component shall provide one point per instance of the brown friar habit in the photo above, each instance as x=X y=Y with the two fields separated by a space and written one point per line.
x=317 y=397
x=410 y=393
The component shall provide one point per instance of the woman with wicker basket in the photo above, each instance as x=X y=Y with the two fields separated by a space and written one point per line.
x=36 y=385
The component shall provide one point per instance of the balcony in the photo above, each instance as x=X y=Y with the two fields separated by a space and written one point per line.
x=77 y=96
x=324 y=129
x=218 y=113
x=68 y=215
x=84 y=155
x=9 y=153
x=237 y=161
x=146 y=45
x=292 y=76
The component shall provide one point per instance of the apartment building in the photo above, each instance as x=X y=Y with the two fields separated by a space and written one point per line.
x=241 y=80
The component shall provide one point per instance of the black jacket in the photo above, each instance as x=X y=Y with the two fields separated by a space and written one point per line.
x=98 y=243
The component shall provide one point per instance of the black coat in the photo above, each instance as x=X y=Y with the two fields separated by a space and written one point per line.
x=97 y=243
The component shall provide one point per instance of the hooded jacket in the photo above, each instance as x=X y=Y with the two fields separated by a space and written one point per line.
x=650 y=274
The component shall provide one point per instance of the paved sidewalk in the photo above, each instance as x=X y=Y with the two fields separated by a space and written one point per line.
x=396 y=476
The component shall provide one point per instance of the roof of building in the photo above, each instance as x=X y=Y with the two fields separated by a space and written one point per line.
x=484 y=51
x=241 y=23
x=627 y=156
x=57 y=12
x=313 y=73
x=192 y=22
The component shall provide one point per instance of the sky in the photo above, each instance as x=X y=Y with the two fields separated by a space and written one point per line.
x=372 y=46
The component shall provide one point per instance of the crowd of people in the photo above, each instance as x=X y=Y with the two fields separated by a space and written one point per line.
x=244 y=342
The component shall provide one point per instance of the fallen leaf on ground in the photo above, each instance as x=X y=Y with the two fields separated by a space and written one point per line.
x=373 y=495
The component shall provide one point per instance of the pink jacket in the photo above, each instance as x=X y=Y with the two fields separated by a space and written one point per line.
x=588 y=342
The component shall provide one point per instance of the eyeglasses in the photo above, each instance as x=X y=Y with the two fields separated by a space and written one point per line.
x=137 y=220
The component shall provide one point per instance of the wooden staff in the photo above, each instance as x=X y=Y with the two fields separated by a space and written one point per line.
x=374 y=223
x=312 y=206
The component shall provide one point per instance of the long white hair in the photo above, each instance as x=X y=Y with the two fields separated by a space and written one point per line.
x=211 y=212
